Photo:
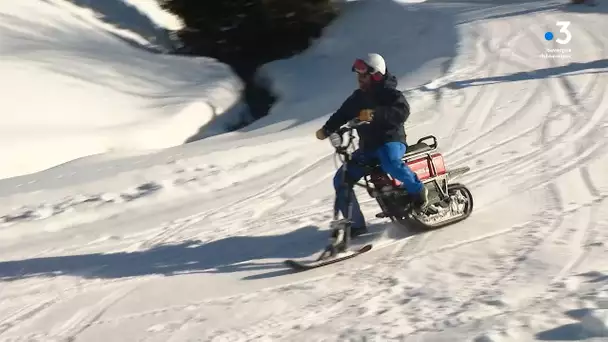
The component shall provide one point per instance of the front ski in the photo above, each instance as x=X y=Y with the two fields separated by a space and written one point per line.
x=307 y=265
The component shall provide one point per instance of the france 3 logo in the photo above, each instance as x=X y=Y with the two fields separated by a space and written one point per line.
x=563 y=29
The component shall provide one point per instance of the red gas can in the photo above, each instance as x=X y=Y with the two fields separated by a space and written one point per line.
x=422 y=166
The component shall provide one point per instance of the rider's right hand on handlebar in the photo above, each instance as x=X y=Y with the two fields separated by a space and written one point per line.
x=366 y=115
x=321 y=134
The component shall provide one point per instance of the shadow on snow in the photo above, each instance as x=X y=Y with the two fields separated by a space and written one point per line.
x=232 y=254
x=557 y=71
x=124 y=16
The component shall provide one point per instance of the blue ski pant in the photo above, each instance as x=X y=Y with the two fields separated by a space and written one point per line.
x=390 y=157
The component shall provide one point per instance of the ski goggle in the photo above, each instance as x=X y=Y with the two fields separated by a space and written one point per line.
x=360 y=67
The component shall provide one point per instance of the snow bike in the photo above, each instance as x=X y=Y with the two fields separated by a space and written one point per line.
x=448 y=202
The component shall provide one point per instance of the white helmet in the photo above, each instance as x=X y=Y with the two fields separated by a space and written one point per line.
x=373 y=64
x=376 y=62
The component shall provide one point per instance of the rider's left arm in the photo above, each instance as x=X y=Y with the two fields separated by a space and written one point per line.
x=341 y=116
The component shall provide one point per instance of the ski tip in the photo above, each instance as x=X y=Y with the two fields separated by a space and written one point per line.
x=365 y=248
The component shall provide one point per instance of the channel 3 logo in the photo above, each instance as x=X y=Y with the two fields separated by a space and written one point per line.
x=564 y=29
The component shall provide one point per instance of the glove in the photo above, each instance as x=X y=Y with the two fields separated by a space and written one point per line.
x=366 y=115
x=321 y=134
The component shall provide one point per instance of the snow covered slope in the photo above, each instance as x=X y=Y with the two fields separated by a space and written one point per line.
x=187 y=243
x=74 y=86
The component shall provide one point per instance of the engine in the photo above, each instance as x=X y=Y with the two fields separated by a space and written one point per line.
x=380 y=179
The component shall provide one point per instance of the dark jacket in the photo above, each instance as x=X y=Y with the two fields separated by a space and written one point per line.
x=391 y=110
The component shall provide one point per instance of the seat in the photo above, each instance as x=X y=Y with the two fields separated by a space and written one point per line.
x=416 y=149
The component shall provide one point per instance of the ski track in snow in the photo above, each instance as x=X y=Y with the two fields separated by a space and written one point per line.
x=403 y=287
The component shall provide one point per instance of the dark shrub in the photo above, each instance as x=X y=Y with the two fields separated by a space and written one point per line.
x=248 y=33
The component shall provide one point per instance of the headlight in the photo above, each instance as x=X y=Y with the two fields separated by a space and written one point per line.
x=335 y=139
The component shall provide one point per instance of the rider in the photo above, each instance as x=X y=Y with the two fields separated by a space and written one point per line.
x=385 y=108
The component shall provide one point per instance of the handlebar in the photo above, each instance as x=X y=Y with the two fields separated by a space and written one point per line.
x=350 y=125
x=337 y=139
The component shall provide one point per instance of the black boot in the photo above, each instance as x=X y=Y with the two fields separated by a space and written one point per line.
x=420 y=201
x=356 y=231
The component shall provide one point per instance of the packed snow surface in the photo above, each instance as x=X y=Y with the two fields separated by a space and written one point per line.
x=187 y=243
